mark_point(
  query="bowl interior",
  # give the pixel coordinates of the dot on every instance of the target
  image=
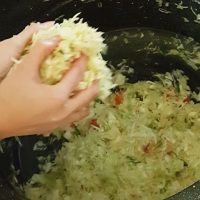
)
(139, 33)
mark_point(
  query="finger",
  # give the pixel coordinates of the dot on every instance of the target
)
(80, 100)
(75, 117)
(39, 53)
(12, 48)
(25, 36)
(72, 78)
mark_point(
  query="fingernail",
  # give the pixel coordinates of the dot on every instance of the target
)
(52, 41)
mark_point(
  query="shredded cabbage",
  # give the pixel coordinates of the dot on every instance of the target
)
(145, 146)
(77, 37)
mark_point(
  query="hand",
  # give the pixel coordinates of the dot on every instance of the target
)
(28, 106)
(12, 48)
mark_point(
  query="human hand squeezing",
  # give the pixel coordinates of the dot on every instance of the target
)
(28, 106)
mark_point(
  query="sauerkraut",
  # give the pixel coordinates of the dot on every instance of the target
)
(77, 37)
(142, 143)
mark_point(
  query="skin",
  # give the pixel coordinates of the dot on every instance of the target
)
(27, 105)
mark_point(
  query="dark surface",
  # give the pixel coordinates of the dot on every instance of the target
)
(8, 192)
(107, 15)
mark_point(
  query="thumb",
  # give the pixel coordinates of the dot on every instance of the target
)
(13, 47)
(21, 40)
(39, 52)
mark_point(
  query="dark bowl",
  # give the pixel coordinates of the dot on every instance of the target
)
(111, 16)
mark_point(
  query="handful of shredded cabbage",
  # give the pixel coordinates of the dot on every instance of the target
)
(77, 37)
(143, 143)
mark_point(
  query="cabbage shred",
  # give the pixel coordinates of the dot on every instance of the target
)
(145, 147)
